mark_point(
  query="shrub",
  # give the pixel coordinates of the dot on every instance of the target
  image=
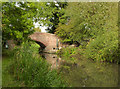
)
(67, 54)
(104, 47)
(33, 70)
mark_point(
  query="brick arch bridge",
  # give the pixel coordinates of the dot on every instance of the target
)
(49, 42)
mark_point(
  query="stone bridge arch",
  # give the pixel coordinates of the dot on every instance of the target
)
(50, 42)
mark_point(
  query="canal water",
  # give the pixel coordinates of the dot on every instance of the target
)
(52, 59)
(86, 73)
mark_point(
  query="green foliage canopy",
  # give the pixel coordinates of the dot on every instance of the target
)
(95, 26)
(49, 14)
(17, 22)
(87, 20)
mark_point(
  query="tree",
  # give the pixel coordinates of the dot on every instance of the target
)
(86, 20)
(37, 29)
(17, 22)
(95, 26)
(49, 14)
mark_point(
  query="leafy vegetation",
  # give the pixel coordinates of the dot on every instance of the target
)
(87, 20)
(31, 70)
(37, 29)
(67, 54)
(49, 14)
(94, 25)
(104, 48)
(18, 18)
(8, 80)
(17, 22)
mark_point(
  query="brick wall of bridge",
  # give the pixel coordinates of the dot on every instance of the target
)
(49, 40)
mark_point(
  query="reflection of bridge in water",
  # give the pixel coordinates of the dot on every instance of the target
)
(48, 42)
(52, 59)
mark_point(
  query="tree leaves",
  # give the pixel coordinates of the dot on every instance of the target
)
(87, 20)
(17, 20)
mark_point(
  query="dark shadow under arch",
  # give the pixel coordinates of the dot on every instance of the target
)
(42, 46)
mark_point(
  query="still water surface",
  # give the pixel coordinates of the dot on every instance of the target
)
(86, 73)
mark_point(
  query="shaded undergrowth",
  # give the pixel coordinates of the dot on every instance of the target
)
(28, 67)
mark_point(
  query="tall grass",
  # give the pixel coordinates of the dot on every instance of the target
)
(27, 66)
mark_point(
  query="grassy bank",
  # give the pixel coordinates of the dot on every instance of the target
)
(25, 68)
(7, 78)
